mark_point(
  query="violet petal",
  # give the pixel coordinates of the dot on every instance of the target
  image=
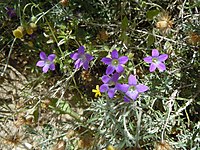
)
(74, 56)
(11, 12)
(105, 79)
(152, 67)
(148, 59)
(132, 80)
(161, 66)
(106, 60)
(78, 63)
(40, 63)
(86, 65)
(45, 68)
(123, 59)
(111, 92)
(104, 88)
(51, 57)
(163, 57)
(89, 57)
(126, 99)
(132, 94)
(114, 54)
(155, 53)
(110, 69)
(122, 87)
(119, 69)
(43, 55)
(81, 50)
(115, 77)
(141, 88)
(52, 66)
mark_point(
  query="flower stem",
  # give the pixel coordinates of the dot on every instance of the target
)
(139, 117)
(11, 48)
(170, 104)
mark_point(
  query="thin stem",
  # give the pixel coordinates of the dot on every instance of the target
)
(11, 48)
(170, 104)
(163, 131)
(43, 15)
(125, 127)
(139, 117)
(19, 11)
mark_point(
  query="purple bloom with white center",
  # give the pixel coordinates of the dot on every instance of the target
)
(156, 61)
(115, 62)
(82, 58)
(132, 89)
(11, 12)
(109, 84)
(46, 62)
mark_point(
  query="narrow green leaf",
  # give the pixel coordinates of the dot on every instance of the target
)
(151, 13)
(124, 24)
(150, 40)
(36, 114)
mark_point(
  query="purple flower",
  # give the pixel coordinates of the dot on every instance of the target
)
(82, 58)
(46, 62)
(109, 84)
(156, 61)
(115, 62)
(132, 89)
(11, 12)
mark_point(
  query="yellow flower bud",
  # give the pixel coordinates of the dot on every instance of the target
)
(33, 26)
(18, 33)
(20, 28)
(110, 147)
(29, 31)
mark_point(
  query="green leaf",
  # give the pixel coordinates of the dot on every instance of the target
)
(36, 114)
(151, 13)
(124, 24)
(150, 40)
(124, 37)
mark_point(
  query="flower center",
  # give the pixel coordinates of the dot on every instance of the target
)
(48, 62)
(115, 62)
(155, 60)
(82, 57)
(111, 83)
(132, 88)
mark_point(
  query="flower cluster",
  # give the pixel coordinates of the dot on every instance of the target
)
(22, 30)
(114, 70)
(132, 89)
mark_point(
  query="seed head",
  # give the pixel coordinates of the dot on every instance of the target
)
(164, 23)
(64, 2)
(162, 146)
